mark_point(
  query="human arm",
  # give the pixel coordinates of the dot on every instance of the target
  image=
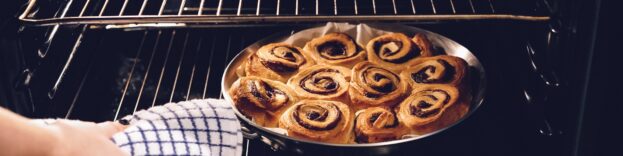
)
(21, 136)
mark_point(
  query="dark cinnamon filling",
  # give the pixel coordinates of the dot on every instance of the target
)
(390, 52)
(422, 77)
(277, 66)
(383, 88)
(286, 53)
(266, 96)
(419, 109)
(386, 52)
(375, 116)
(423, 114)
(423, 104)
(324, 84)
(333, 50)
(336, 50)
(445, 94)
(321, 116)
(365, 138)
(371, 95)
(432, 97)
(316, 116)
(256, 93)
(272, 93)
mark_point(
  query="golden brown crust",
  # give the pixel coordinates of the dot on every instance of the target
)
(322, 82)
(431, 107)
(373, 85)
(319, 120)
(277, 61)
(395, 50)
(442, 69)
(261, 99)
(335, 49)
(378, 124)
(423, 43)
(397, 88)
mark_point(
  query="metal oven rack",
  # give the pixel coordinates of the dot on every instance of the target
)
(102, 77)
(169, 65)
(276, 11)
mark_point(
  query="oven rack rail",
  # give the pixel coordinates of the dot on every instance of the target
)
(119, 12)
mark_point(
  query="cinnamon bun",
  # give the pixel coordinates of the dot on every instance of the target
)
(395, 50)
(373, 85)
(277, 61)
(335, 49)
(322, 82)
(442, 69)
(261, 100)
(378, 124)
(431, 107)
(319, 120)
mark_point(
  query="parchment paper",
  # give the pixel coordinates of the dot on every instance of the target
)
(362, 33)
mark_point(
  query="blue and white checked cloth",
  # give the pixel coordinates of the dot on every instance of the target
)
(196, 127)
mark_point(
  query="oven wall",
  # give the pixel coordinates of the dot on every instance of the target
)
(590, 110)
(10, 58)
(600, 130)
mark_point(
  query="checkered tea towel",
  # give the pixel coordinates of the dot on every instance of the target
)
(196, 127)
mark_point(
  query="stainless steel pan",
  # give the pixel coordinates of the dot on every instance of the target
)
(282, 142)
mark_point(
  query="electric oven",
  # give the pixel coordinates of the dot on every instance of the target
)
(100, 60)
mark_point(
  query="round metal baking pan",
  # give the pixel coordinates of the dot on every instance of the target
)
(282, 142)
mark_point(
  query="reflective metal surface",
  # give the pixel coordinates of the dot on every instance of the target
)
(251, 12)
(441, 43)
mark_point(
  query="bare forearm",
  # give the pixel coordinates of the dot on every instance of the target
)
(19, 136)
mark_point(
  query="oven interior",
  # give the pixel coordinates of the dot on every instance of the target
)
(100, 60)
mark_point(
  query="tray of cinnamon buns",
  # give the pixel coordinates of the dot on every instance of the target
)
(354, 83)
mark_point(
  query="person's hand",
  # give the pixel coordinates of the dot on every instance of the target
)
(84, 138)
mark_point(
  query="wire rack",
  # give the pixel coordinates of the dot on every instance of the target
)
(111, 74)
(49, 12)
(174, 65)
(149, 68)
(101, 75)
